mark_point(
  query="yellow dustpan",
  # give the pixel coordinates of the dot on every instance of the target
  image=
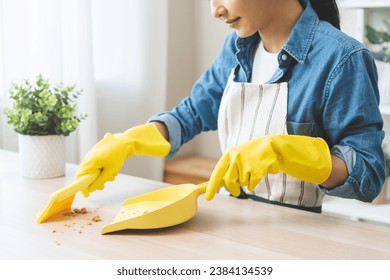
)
(158, 209)
(63, 198)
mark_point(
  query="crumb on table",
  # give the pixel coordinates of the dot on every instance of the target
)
(96, 218)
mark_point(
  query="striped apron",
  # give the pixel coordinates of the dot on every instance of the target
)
(248, 111)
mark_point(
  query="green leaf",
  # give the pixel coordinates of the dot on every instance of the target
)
(373, 36)
(41, 109)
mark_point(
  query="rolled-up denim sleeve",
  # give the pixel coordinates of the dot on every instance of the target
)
(354, 125)
(347, 190)
(174, 131)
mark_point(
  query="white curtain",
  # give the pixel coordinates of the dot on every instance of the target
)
(52, 38)
(130, 41)
(116, 50)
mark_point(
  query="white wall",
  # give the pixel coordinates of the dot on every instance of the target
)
(130, 67)
(181, 58)
(211, 33)
(208, 35)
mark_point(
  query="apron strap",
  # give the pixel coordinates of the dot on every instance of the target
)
(244, 195)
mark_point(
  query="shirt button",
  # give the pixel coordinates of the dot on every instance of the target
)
(284, 57)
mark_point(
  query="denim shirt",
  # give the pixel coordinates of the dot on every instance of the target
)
(332, 94)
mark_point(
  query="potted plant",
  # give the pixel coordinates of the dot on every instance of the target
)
(380, 38)
(379, 41)
(43, 115)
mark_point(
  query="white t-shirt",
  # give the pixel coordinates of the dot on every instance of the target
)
(264, 65)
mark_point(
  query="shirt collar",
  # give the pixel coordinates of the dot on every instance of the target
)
(300, 39)
(302, 35)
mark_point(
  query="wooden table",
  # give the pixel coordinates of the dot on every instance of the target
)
(225, 228)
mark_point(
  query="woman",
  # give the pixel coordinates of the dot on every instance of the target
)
(295, 102)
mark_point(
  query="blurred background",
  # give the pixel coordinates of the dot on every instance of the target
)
(133, 58)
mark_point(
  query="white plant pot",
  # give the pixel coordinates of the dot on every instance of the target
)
(42, 157)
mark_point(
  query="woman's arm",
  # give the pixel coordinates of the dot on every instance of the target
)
(338, 175)
(163, 129)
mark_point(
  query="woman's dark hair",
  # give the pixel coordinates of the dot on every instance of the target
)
(327, 10)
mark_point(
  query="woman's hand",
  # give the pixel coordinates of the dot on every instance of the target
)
(305, 158)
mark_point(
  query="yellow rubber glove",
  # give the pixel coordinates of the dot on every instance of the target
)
(108, 155)
(305, 158)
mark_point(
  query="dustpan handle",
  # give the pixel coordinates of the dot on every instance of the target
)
(201, 188)
(79, 185)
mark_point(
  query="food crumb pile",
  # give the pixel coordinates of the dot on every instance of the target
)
(81, 217)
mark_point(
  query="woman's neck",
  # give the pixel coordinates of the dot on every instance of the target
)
(276, 34)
